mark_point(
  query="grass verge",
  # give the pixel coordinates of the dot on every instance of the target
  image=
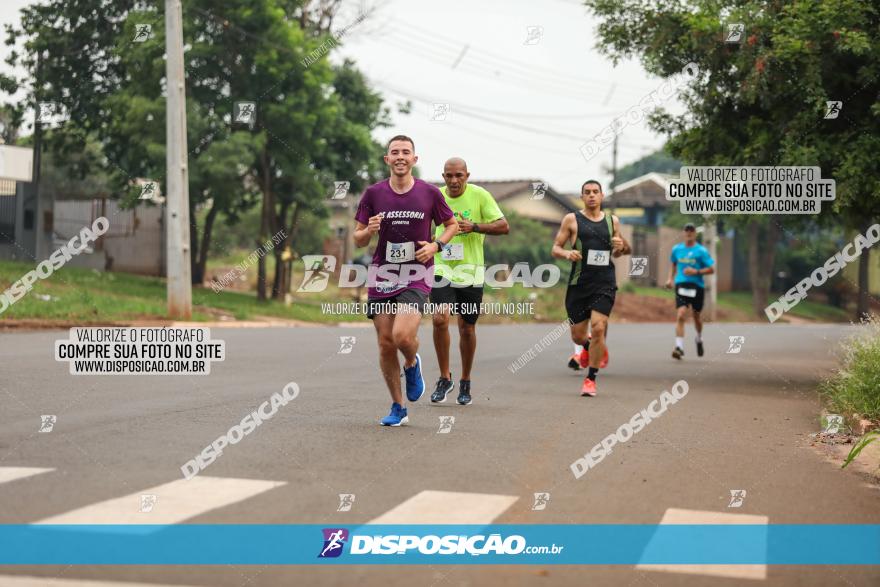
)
(855, 389)
(84, 295)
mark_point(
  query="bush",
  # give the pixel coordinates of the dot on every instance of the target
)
(529, 241)
(856, 388)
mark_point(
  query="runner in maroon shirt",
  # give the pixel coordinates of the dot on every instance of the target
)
(401, 210)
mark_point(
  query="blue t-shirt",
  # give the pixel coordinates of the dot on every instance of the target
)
(684, 256)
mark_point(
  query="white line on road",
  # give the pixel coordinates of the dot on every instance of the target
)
(175, 502)
(8, 474)
(680, 516)
(447, 507)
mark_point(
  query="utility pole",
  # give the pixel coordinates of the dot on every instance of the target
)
(31, 192)
(710, 241)
(38, 127)
(177, 202)
(617, 126)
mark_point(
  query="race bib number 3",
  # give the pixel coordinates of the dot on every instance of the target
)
(687, 292)
(453, 252)
(400, 252)
(598, 257)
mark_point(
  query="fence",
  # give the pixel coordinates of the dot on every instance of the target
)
(8, 203)
(134, 243)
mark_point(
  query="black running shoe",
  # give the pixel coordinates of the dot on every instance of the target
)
(699, 348)
(464, 392)
(444, 388)
(677, 353)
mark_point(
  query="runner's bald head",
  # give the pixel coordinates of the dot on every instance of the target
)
(455, 162)
(455, 174)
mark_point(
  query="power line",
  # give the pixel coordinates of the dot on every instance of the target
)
(515, 79)
(520, 74)
(542, 116)
(418, 33)
(467, 111)
(506, 140)
(464, 111)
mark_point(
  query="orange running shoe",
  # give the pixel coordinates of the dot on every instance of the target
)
(588, 388)
(584, 359)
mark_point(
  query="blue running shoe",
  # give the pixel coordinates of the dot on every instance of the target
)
(396, 417)
(415, 385)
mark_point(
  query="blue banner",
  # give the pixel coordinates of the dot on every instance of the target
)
(199, 544)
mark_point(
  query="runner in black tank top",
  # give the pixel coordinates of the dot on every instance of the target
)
(592, 285)
(596, 267)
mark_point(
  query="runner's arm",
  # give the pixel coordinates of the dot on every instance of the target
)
(451, 230)
(499, 226)
(623, 245)
(672, 266)
(563, 238)
(709, 263)
(364, 232)
(707, 270)
(428, 249)
(488, 209)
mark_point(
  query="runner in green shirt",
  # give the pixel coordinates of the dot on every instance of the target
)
(458, 268)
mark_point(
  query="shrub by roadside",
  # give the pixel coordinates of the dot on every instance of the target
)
(855, 389)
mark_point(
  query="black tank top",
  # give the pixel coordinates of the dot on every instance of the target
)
(596, 237)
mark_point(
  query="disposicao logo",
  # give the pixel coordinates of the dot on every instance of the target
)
(334, 541)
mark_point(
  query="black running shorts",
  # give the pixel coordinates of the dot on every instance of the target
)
(464, 301)
(415, 298)
(580, 300)
(689, 294)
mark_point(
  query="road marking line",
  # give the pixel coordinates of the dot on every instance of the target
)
(447, 507)
(175, 502)
(8, 474)
(21, 581)
(681, 516)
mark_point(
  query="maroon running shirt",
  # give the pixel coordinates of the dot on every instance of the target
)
(408, 219)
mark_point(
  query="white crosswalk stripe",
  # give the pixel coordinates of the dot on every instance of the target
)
(174, 502)
(447, 507)
(8, 474)
(682, 516)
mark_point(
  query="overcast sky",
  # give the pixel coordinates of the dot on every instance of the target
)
(520, 102)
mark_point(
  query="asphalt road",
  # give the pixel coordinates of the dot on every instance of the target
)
(744, 424)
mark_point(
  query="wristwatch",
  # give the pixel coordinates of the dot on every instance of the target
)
(440, 244)
(476, 227)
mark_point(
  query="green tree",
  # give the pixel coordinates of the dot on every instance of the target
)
(659, 161)
(10, 122)
(343, 150)
(762, 101)
(530, 242)
(312, 122)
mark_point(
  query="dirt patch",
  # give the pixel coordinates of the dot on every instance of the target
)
(834, 448)
(41, 324)
(631, 307)
(216, 313)
(221, 320)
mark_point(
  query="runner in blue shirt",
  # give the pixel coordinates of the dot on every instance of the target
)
(690, 262)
